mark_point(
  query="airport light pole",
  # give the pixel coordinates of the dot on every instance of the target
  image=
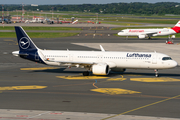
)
(27, 15)
(52, 12)
(3, 15)
(17, 14)
(22, 13)
(7, 12)
(96, 18)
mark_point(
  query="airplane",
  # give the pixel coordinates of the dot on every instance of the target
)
(5, 20)
(144, 33)
(98, 62)
(75, 22)
(48, 21)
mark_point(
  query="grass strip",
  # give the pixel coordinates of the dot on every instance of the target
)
(154, 21)
(118, 23)
(121, 28)
(39, 28)
(37, 35)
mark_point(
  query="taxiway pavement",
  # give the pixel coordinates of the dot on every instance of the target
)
(34, 87)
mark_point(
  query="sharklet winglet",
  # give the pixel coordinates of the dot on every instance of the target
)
(102, 49)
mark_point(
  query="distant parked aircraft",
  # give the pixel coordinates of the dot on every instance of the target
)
(148, 33)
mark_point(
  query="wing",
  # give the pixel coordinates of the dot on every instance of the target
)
(85, 64)
(149, 33)
(73, 63)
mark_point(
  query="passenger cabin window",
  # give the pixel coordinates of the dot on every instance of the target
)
(166, 58)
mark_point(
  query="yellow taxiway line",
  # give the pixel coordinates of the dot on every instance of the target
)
(22, 87)
(95, 86)
(41, 68)
(117, 79)
(81, 77)
(114, 91)
(142, 107)
(160, 79)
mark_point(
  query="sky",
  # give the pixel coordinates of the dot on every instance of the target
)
(42, 2)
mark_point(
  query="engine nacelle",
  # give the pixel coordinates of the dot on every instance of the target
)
(141, 36)
(173, 36)
(118, 69)
(100, 69)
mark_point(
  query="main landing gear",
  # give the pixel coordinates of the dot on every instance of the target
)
(86, 73)
(126, 37)
(149, 38)
(156, 72)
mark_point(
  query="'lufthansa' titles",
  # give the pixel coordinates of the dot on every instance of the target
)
(138, 55)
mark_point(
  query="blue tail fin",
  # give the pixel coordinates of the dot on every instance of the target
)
(24, 41)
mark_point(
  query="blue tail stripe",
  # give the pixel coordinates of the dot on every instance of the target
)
(27, 49)
(24, 41)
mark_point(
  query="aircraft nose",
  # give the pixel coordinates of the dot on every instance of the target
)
(174, 64)
(119, 33)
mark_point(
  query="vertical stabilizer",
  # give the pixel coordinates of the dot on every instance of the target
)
(178, 24)
(24, 41)
(176, 28)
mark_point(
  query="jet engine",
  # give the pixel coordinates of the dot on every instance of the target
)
(100, 69)
(141, 36)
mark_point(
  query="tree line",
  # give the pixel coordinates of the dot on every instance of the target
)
(160, 8)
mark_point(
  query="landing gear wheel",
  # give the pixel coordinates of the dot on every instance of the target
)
(86, 73)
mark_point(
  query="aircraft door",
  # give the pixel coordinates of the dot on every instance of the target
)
(154, 59)
(70, 57)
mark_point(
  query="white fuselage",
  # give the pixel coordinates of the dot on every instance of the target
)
(99, 62)
(147, 32)
(131, 60)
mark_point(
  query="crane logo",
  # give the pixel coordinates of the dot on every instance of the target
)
(24, 43)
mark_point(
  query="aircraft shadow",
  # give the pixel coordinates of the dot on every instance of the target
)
(152, 74)
(112, 74)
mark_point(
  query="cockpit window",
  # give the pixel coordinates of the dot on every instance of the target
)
(166, 58)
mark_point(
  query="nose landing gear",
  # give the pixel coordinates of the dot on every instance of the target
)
(156, 72)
